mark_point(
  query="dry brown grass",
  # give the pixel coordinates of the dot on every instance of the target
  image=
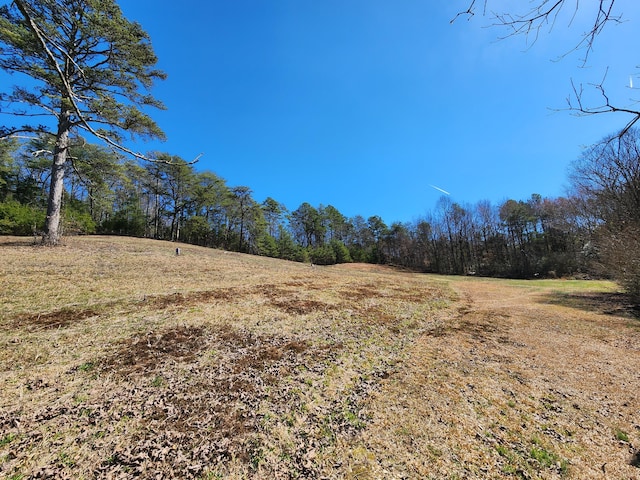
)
(119, 359)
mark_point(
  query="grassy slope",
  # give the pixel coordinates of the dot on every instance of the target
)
(119, 358)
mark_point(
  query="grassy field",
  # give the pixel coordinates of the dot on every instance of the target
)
(120, 359)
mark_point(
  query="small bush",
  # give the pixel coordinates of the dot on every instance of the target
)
(19, 219)
(323, 255)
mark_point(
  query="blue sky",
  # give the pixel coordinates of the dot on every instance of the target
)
(363, 104)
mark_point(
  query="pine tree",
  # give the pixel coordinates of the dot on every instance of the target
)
(89, 71)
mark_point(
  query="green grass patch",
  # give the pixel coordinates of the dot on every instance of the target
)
(621, 435)
(7, 439)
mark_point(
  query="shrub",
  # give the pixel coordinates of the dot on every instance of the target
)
(323, 255)
(19, 219)
(341, 252)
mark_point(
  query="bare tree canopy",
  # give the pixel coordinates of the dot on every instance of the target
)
(545, 13)
(606, 180)
(534, 18)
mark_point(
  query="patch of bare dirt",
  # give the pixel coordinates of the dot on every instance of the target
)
(278, 296)
(361, 292)
(68, 316)
(147, 352)
(52, 320)
(181, 299)
(301, 306)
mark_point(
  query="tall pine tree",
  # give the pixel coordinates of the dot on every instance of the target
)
(89, 71)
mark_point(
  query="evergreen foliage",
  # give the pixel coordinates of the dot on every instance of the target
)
(20, 219)
(89, 70)
(590, 233)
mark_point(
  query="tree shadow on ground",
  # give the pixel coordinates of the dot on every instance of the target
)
(618, 304)
(22, 242)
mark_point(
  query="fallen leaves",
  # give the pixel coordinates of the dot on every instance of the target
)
(230, 366)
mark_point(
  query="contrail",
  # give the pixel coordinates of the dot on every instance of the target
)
(439, 189)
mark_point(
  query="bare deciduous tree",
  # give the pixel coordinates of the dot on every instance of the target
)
(606, 180)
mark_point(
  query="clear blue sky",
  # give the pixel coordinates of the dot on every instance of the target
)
(363, 104)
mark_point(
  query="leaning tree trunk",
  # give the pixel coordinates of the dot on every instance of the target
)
(52, 230)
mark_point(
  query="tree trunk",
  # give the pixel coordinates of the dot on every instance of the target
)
(52, 230)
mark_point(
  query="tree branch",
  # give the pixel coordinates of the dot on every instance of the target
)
(469, 11)
(11, 132)
(70, 94)
(545, 12)
(606, 107)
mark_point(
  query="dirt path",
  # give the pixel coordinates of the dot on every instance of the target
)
(511, 383)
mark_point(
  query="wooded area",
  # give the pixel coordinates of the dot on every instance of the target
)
(91, 70)
(592, 232)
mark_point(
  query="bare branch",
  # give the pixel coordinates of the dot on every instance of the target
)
(605, 107)
(543, 13)
(37, 153)
(469, 12)
(629, 125)
(546, 12)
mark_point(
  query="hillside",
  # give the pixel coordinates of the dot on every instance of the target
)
(120, 359)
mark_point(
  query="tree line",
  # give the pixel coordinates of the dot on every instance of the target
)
(90, 71)
(592, 231)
